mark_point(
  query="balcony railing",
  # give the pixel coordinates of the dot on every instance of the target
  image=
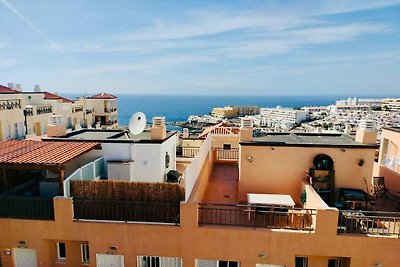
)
(127, 211)
(44, 109)
(109, 110)
(26, 207)
(78, 109)
(10, 104)
(188, 152)
(257, 216)
(369, 222)
(227, 154)
(28, 112)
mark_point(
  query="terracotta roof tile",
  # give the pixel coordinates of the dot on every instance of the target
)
(6, 90)
(50, 96)
(42, 153)
(103, 96)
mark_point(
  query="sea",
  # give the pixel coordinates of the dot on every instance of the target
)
(178, 107)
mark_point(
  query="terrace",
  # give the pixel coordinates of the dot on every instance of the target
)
(32, 174)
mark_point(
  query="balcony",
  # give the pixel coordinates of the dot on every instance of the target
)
(109, 110)
(10, 104)
(126, 210)
(28, 112)
(44, 109)
(78, 109)
(369, 223)
(256, 216)
(231, 154)
(26, 207)
(187, 152)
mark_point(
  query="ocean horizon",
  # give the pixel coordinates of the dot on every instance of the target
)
(179, 107)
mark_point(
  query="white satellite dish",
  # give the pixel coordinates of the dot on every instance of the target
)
(137, 123)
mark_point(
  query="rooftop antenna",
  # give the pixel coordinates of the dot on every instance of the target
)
(137, 123)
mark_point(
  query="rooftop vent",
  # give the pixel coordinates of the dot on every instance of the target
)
(56, 120)
(18, 87)
(10, 85)
(367, 124)
(37, 88)
(158, 121)
(246, 123)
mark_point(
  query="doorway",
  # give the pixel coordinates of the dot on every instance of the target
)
(25, 257)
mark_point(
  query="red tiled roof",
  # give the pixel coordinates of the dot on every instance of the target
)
(103, 96)
(42, 153)
(6, 90)
(50, 96)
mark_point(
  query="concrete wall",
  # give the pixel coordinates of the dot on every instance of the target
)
(279, 170)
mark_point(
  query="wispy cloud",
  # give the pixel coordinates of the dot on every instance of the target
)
(31, 24)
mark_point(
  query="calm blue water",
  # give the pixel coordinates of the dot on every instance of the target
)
(178, 108)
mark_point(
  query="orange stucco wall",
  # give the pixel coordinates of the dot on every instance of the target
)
(191, 242)
(279, 170)
(392, 177)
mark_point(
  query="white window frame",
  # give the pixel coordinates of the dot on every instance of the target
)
(163, 261)
(59, 258)
(216, 262)
(85, 253)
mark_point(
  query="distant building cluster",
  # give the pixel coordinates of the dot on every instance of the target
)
(26, 114)
(279, 117)
(235, 111)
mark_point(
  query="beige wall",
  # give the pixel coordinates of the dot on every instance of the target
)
(218, 141)
(9, 117)
(279, 169)
(189, 241)
(392, 177)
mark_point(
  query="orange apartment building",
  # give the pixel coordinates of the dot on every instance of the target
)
(278, 200)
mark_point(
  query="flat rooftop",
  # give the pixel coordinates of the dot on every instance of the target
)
(307, 139)
(110, 136)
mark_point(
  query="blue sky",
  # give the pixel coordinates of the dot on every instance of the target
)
(202, 47)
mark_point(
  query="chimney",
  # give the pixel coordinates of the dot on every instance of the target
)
(56, 126)
(366, 132)
(37, 88)
(246, 130)
(10, 85)
(185, 133)
(158, 130)
(347, 129)
(18, 87)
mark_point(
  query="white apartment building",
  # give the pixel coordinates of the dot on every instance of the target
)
(392, 104)
(26, 114)
(104, 108)
(281, 117)
(370, 102)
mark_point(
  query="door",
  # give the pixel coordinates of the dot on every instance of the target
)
(25, 257)
(109, 260)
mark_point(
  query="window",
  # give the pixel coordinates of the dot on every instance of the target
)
(334, 263)
(301, 262)
(227, 146)
(154, 261)
(61, 253)
(213, 263)
(85, 253)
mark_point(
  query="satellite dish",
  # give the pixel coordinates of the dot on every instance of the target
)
(137, 123)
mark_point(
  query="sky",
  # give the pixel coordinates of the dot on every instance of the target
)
(203, 47)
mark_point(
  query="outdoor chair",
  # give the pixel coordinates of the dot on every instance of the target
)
(379, 187)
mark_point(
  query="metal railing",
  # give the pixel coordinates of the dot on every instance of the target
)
(188, 152)
(44, 109)
(257, 216)
(369, 222)
(28, 111)
(26, 207)
(127, 210)
(10, 104)
(227, 154)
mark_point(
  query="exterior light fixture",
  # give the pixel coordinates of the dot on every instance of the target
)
(342, 149)
(262, 255)
(250, 158)
(378, 264)
(22, 244)
(361, 162)
(113, 248)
